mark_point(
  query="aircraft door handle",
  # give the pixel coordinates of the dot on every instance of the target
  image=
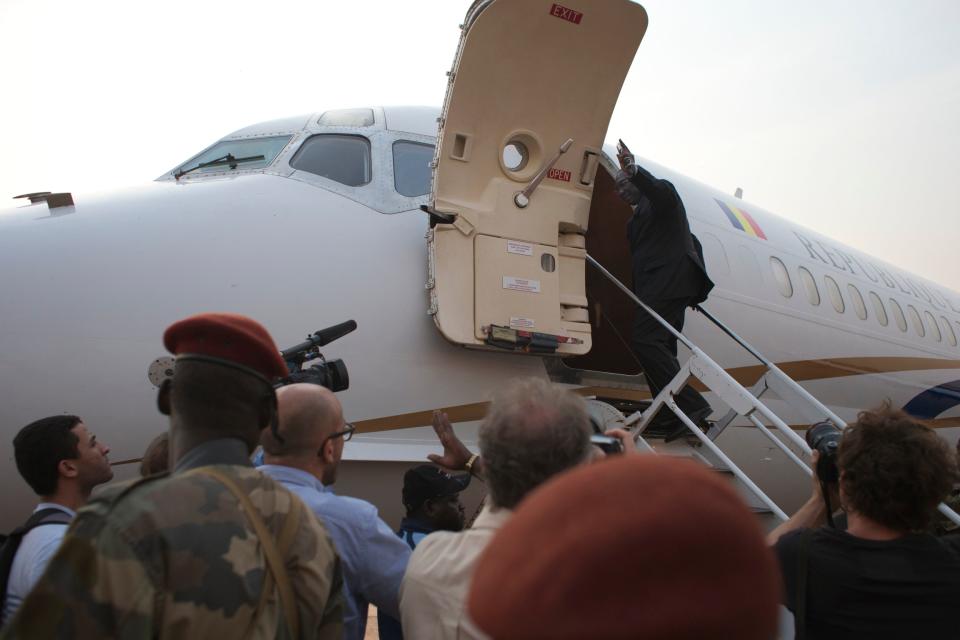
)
(522, 198)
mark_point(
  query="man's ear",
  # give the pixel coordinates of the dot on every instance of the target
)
(329, 452)
(163, 397)
(68, 468)
(429, 507)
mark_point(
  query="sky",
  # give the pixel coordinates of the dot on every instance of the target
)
(841, 116)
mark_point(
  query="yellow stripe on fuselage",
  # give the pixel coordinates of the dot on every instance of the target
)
(744, 221)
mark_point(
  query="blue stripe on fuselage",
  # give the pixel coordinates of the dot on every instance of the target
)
(932, 402)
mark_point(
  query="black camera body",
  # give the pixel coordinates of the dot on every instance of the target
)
(331, 374)
(608, 444)
(825, 438)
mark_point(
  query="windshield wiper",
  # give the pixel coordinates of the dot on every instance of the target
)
(228, 159)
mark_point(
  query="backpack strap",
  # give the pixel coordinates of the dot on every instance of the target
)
(270, 548)
(803, 562)
(290, 527)
(11, 545)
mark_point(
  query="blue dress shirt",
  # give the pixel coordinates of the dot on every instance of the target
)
(372, 557)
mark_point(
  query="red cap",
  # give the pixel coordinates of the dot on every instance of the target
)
(227, 336)
(640, 546)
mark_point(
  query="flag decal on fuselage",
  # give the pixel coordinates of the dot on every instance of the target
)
(741, 220)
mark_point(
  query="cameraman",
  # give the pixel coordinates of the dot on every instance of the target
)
(882, 577)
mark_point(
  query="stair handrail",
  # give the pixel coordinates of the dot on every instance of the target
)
(779, 424)
(949, 513)
(773, 368)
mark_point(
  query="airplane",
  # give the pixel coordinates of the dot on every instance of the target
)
(427, 226)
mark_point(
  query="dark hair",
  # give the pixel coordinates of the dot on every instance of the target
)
(532, 432)
(895, 470)
(40, 446)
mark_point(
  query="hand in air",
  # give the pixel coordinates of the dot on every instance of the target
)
(455, 453)
(624, 157)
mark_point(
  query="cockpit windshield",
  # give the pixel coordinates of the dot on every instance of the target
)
(252, 153)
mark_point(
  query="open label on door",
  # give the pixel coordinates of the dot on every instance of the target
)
(524, 83)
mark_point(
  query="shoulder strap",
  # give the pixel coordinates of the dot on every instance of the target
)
(290, 527)
(11, 545)
(50, 515)
(800, 607)
(270, 550)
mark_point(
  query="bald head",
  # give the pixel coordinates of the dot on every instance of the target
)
(309, 414)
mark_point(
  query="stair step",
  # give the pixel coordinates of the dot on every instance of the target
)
(701, 455)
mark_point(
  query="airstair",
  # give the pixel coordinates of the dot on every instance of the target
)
(741, 402)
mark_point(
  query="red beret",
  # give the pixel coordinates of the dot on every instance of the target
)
(227, 336)
(638, 546)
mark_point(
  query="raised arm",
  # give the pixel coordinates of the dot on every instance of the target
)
(455, 456)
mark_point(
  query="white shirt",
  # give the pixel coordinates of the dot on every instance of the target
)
(435, 588)
(36, 549)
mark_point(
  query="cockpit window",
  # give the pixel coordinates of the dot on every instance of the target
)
(345, 159)
(346, 118)
(411, 167)
(235, 155)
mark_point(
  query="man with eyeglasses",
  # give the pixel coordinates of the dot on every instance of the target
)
(373, 558)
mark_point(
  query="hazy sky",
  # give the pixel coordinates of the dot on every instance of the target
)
(843, 116)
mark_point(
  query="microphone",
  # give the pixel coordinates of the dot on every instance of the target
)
(319, 339)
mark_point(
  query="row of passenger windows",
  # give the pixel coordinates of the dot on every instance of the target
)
(342, 158)
(920, 325)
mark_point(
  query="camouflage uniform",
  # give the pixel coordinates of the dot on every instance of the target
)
(176, 557)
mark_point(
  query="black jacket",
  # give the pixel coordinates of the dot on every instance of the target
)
(667, 258)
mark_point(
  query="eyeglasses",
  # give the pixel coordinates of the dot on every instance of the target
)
(346, 434)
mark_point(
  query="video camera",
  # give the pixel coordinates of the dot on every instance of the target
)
(331, 374)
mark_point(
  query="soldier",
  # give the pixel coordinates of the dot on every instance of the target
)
(212, 550)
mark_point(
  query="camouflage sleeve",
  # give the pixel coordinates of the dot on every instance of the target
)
(94, 587)
(331, 620)
(314, 570)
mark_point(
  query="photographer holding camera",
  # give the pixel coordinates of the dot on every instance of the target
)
(884, 576)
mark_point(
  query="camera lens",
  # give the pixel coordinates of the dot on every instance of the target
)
(820, 435)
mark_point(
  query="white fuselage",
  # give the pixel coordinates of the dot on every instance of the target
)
(88, 290)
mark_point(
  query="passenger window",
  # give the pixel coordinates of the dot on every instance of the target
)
(915, 319)
(411, 167)
(858, 306)
(344, 159)
(879, 309)
(833, 290)
(898, 314)
(346, 118)
(782, 276)
(235, 155)
(813, 295)
(948, 330)
(934, 327)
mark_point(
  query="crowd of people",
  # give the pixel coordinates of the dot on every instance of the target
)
(570, 543)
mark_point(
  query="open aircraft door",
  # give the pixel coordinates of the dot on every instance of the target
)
(526, 111)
